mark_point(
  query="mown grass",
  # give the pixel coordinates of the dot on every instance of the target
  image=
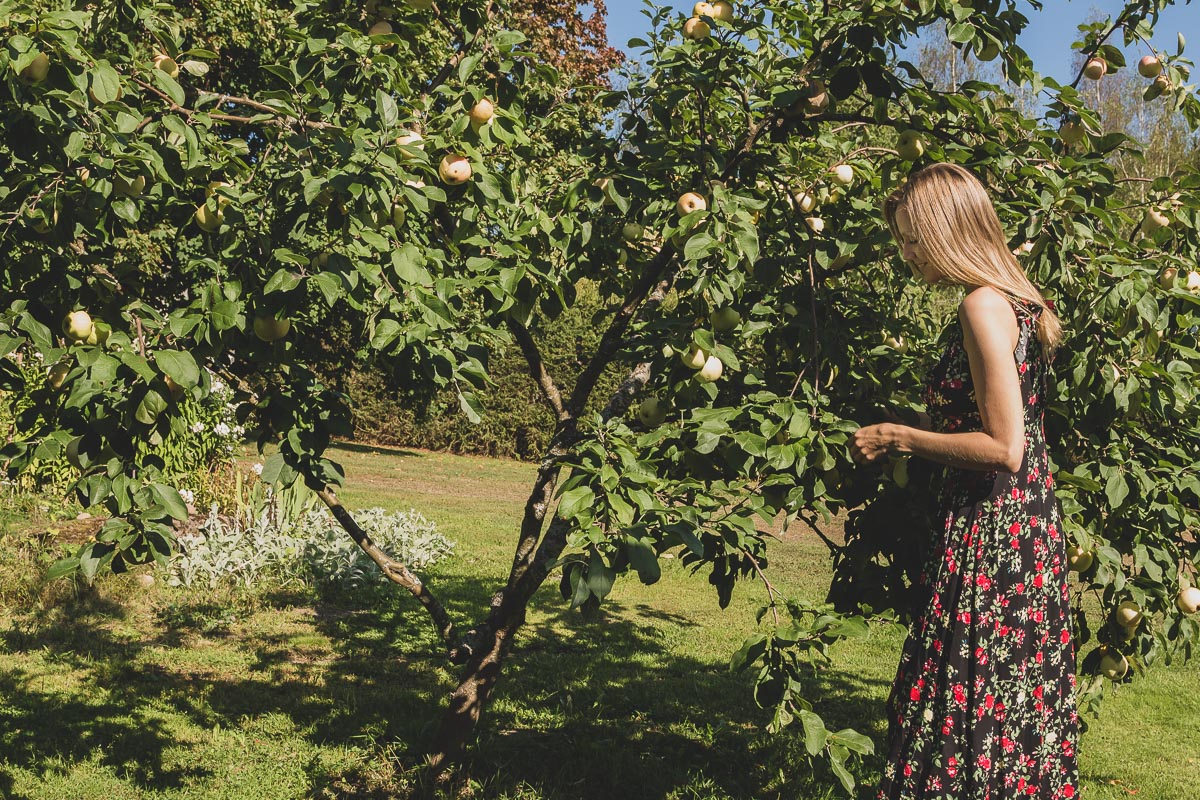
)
(126, 692)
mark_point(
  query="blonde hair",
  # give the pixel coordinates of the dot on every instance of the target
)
(960, 232)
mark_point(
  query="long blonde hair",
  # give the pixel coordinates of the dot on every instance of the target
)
(960, 232)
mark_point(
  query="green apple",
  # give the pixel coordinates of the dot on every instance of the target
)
(37, 70)
(1071, 132)
(1113, 665)
(696, 29)
(989, 51)
(1154, 220)
(78, 325)
(1193, 281)
(632, 232)
(57, 374)
(725, 319)
(1078, 559)
(816, 224)
(208, 220)
(271, 329)
(129, 188)
(99, 334)
(804, 201)
(380, 28)
(897, 343)
(164, 63)
(1128, 614)
(1166, 278)
(910, 146)
(652, 412)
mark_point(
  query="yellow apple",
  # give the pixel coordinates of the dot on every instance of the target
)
(1188, 600)
(652, 412)
(164, 63)
(1193, 281)
(99, 334)
(454, 169)
(804, 201)
(133, 188)
(174, 388)
(1127, 614)
(482, 112)
(410, 139)
(1149, 67)
(380, 28)
(1166, 278)
(711, 370)
(696, 29)
(897, 343)
(815, 223)
(1113, 665)
(910, 146)
(208, 220)
(214, 187)
(702, 9)
(1095, 68)
(725, 319)
(57, 374)
(37, 70)
(271, 329)
(843, 174)
(722, 10)
(1153, 220)
(693, 358)
(78, 325)
(689, 202)
(1078, 559)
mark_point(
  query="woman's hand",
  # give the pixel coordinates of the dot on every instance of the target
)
(872, 442)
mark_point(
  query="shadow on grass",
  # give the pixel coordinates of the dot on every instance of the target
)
(585, 709)
(373, 449)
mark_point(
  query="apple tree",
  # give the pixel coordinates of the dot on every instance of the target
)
(424, 175)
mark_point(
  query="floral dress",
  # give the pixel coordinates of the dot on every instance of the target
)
(983, 706)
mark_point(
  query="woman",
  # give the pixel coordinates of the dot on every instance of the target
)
(983, 704)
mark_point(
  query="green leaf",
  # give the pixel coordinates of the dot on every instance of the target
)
(575, 500)
(815, 734)
(168, 497)
(179, 365)
(600, 577)
(284, 280)
(151, 406)
(471, 406)
(1117, 489)
(750, 651)
(644, 560)
(62, 568)
(386, 106)
(853, 740)
(106, 84)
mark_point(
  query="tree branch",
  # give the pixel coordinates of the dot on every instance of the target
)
(393, 570)
(537, 367)
(281, 120)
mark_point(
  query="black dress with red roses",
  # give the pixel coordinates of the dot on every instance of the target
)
(983, 706)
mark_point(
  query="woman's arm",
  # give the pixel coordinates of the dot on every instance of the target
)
(990, 335)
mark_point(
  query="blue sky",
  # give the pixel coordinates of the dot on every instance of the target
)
(1047, 39)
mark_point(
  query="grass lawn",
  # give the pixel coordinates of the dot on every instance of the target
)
(127, 692)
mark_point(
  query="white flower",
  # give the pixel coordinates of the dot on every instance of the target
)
(218, 385)
(197, 427)
(188, 496)
(221, 429)
(239, 431)
(257, 469)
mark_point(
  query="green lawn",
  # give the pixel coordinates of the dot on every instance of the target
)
(125, 692)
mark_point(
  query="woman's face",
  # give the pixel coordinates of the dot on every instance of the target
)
(911, 250)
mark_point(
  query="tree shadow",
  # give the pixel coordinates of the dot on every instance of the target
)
(585, 709)
(377, 449)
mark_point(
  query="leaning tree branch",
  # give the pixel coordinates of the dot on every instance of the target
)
(280, 120)
(537, 367)
(393, 570)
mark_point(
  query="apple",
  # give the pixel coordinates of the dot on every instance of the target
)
(1153, 220)
(1095, 68)
(989, 51)
(78, 325)
(815, 223)
(164, 63)
(1149, 67)
(711, 370)
(271, 329)
(133, 188)
(910, 146)
(85, 175)
(1166, 278)
(696, 29)
(689, 202)
(57, 374)
(1128, 614)
(897, 343)
(412, 140)
(37, 70)
(454, 169)
(702, 9)
(790, 309)
(632, 232)
(174, 388)
(843, 174)
(99, 334)
(1188, 600)
(1078, 559)
(725, 319)
(722, 10)
(694, 358)
(1161, 84)
(1193, 281)
(399, 213)
(804, 201)
(1113, 665)
(208, 220)
(380, 28)
(652, 412)
(1071, 132)
(482, 112)
(214, 187)
(668, 351)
